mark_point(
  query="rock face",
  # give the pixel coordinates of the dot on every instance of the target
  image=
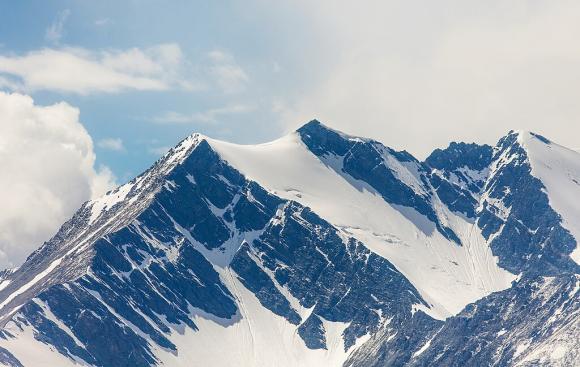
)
(213, 257)
(533, 323)
(511, 327)
(528, 236)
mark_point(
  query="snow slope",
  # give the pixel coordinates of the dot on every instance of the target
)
(256, 337)
(447, 275)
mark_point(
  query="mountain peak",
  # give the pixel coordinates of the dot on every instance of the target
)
(458, 155)
(523, 136)
(317, 127)
(312, 123)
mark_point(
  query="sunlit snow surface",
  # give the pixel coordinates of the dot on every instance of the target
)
(447, 275)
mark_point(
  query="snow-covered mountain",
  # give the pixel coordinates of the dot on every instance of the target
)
(316, 249)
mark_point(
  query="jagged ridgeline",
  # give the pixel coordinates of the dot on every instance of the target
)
(317, 249)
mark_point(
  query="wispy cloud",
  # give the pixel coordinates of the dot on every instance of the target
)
(114, 144)
(209, 116)
(56, 30)
(159, 150)
(8, 83)
(228, 75)
(101, 22)
(82, 71)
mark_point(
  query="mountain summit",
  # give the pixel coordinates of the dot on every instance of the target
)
(318, 248)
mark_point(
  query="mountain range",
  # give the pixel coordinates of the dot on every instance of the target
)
(316, 249)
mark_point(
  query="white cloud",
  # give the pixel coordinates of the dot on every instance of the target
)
(77, 70)
(212, 115)
(228, 75)
(48, 171)
(114, 144)
(56, 30)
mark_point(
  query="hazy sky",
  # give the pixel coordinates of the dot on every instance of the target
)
(104, 87)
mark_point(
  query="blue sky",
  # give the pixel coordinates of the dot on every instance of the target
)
(93, 92)
(262, 48)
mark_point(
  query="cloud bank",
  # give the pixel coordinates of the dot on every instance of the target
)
(48, 171)
(416, 74)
